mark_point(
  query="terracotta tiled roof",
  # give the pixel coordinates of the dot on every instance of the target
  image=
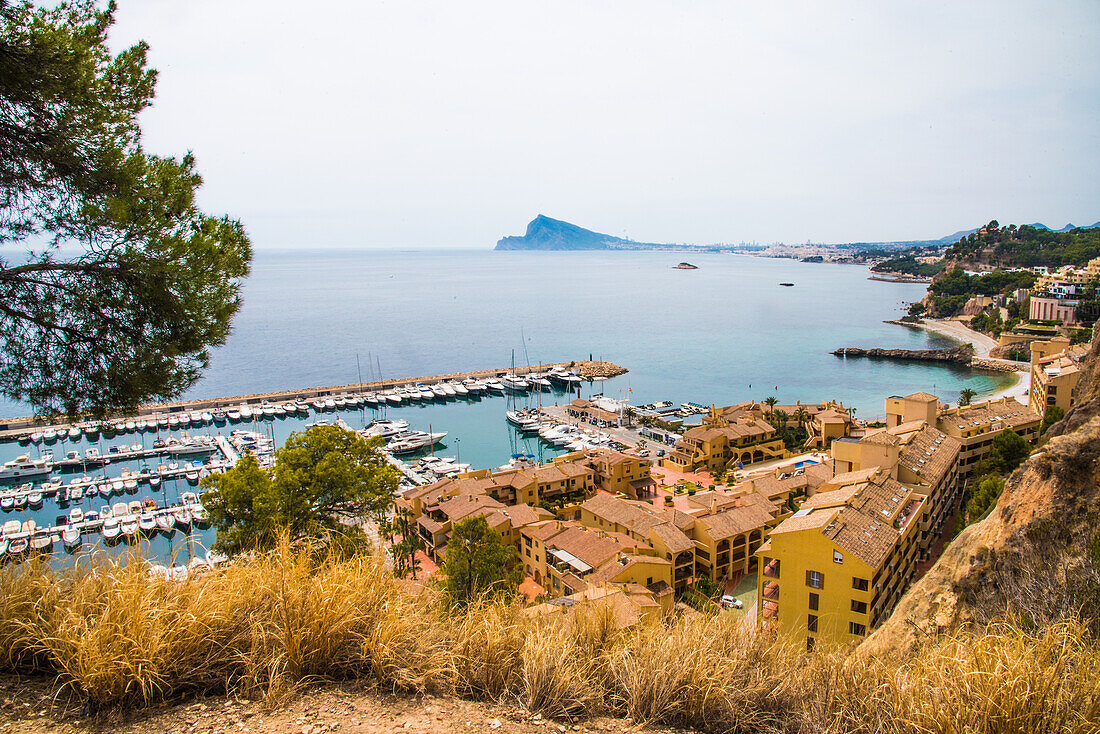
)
(926, 397)
(1007, 411)
(930, 453)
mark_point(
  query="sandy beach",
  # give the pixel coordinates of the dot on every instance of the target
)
(982, 344)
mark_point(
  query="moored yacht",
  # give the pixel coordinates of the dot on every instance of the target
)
(24, 466)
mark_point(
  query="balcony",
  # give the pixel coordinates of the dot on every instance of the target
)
(770, 610)
(771, 591)
(771, 570)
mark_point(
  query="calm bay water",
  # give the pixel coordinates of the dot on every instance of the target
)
(720, 334)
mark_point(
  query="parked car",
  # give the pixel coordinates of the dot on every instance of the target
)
(643, 452)
(660, 452)
(731, 602)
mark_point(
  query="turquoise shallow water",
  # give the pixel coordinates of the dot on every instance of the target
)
(720, 334)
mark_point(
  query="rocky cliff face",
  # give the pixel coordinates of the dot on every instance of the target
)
(1033, 555)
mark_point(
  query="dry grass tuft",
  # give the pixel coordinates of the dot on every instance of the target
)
(115, 636)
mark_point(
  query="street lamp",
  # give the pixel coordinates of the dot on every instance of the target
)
(458, 450)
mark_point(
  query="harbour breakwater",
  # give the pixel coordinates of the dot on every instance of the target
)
(585, 369)
(958, 355)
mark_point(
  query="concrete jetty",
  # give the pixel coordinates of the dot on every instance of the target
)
(16, 428)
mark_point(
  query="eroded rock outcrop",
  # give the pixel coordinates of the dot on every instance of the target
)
(958, 355)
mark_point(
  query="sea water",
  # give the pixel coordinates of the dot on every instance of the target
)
(721, 334)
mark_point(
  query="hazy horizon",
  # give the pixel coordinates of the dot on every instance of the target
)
(428, 125)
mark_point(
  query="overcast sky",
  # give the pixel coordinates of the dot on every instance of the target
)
(449, 124)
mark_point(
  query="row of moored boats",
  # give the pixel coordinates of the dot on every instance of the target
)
(404, 394)
(115, 522)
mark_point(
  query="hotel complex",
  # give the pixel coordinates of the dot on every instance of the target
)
(834, 539)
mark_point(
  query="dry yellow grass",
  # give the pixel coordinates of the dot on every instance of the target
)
(115, 636)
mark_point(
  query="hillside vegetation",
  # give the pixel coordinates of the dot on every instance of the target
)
(1026, 246)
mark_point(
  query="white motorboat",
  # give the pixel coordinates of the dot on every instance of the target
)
(24, 467)
(128, 524)
(146, 523)
(392, 398)
(34, 499)
(474, 387)
(111, 528)
(494, 385)
(412, 441)
(385, 428)
(448, 390)
(154, 480)
(206, 416)
(330, 403)
(233, 414)
(280, 411)
(181, 516)
(199, 515)
(42, 541)
(49, 435)
(76, 515)
(173, 422)
(7, 501)
(71, 536)
(165, 522)
(425, 391)
(245, 413)
(130, 426)
(459, 388)
(36, 437)
(514, 383)
(538, 381)
(18, 545)
(523, 420)
(268, 411)
(74, 433)
(10, 527)
(438, 391)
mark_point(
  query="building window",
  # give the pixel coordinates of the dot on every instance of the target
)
(859, 607)
(838, 557)
(814, 601)
(811, 622)
(856, 628)
(527, 541)
(859, 584)
(815, 579)
(809, 644)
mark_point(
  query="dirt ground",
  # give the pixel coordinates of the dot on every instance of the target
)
(33, 706)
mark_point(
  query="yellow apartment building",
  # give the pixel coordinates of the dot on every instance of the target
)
(1055, 371)
(919, 456)
(836, 568)
(620, 473)
(720, 444)
(975, 426)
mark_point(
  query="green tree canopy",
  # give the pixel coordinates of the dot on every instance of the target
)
(1051, 415)
(323, 477)
(113, 284)
(479, 563)
(1007, 451)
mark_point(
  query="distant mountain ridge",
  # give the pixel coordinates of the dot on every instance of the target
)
(544, 233)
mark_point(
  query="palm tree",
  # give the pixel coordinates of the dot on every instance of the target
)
(780, 418)
(770, 401)
(965, 396)
(801, 415)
